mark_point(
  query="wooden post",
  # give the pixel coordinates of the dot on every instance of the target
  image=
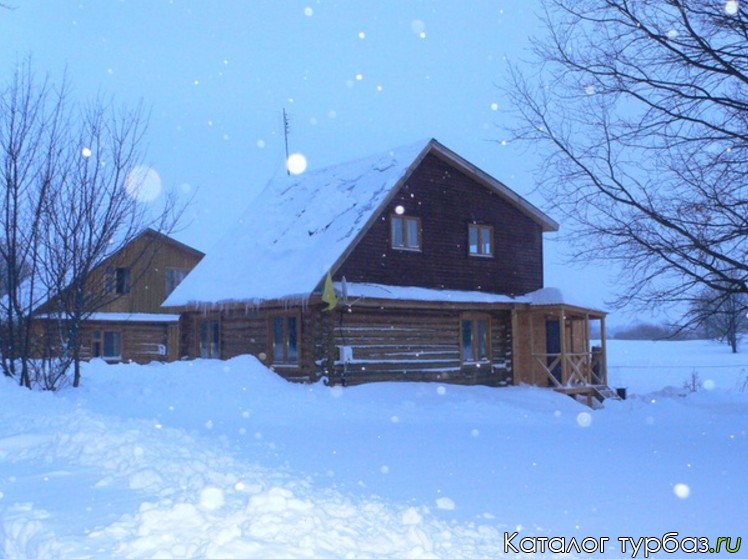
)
(587, 332)
(531, 360)
(562, 334)
(173, 342)
(324, 346)
(587, 349)
(604, 351)
(515, 347)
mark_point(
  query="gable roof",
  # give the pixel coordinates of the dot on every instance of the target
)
(300, 227)
(165, 239)
(44, 298)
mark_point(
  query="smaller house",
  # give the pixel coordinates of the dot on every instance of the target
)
(129, 324)
(412, 264)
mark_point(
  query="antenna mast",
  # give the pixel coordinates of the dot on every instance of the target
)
(286, 131)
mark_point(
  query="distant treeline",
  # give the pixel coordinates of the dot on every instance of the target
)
(649, 331)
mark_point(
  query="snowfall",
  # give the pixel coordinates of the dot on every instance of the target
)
(224, 459)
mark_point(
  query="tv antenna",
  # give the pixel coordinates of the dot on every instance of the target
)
(286, 131)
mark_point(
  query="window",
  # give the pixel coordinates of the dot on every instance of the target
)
(284, 339)
(480, 240)
(475, 339)
(117, 280)
(123, 281)
(406, 232)
(210, 346)
(107, 344)
(174, 277)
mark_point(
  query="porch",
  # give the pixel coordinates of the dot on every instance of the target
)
(554, 349)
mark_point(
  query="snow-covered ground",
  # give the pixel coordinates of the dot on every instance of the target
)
(226, 460)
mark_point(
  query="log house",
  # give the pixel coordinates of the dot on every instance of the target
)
(130, 324)
(410, 265)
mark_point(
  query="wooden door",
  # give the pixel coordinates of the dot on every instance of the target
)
(553, 347)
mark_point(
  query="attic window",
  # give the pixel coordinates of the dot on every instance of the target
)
(174, 277)
(405, 232)
(118, 280)
(122, 284)
(480, 240)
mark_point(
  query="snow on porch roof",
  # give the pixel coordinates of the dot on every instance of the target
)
(547, 296)
(553, 296)
(401, 293)
(299, 227)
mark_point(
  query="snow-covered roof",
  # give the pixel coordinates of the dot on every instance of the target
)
(553, 296)
(133, 317)
(396, 292)
(300, 227)
(127, 317)
(546, 296)
(28, 298)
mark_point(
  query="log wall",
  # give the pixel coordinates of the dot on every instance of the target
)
(417, 345)
(141, 342)
(386, 344)
(247, 330)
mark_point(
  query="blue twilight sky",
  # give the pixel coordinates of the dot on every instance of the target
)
(355, 76)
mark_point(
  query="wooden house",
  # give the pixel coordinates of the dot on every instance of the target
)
(129, 323)
(409, 265)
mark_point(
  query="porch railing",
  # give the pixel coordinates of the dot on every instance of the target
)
(568, 369)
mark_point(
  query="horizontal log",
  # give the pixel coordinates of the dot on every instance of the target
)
(449, 376)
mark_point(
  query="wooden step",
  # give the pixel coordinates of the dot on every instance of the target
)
(591, 393)
(604, 392)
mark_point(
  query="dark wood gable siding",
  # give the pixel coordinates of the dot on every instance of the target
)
(446, 201)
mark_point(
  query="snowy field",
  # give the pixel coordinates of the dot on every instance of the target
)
(225, 460)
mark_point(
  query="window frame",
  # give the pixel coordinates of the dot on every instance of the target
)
(122, 280)
(474, 319)
(481, 230)
(208, 346)
(99, 344)
(405, 219)
(173, 272)
(286, 361)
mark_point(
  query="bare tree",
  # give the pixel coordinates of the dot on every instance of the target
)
(723, 316)
(641, 109)
(32, 123)
(71, 203)
(95, 212)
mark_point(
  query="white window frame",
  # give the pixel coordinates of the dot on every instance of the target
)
(407, 242)
(483, 233)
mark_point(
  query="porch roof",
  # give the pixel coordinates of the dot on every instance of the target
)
(548, 297)
(421, 294)
(553, 298)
